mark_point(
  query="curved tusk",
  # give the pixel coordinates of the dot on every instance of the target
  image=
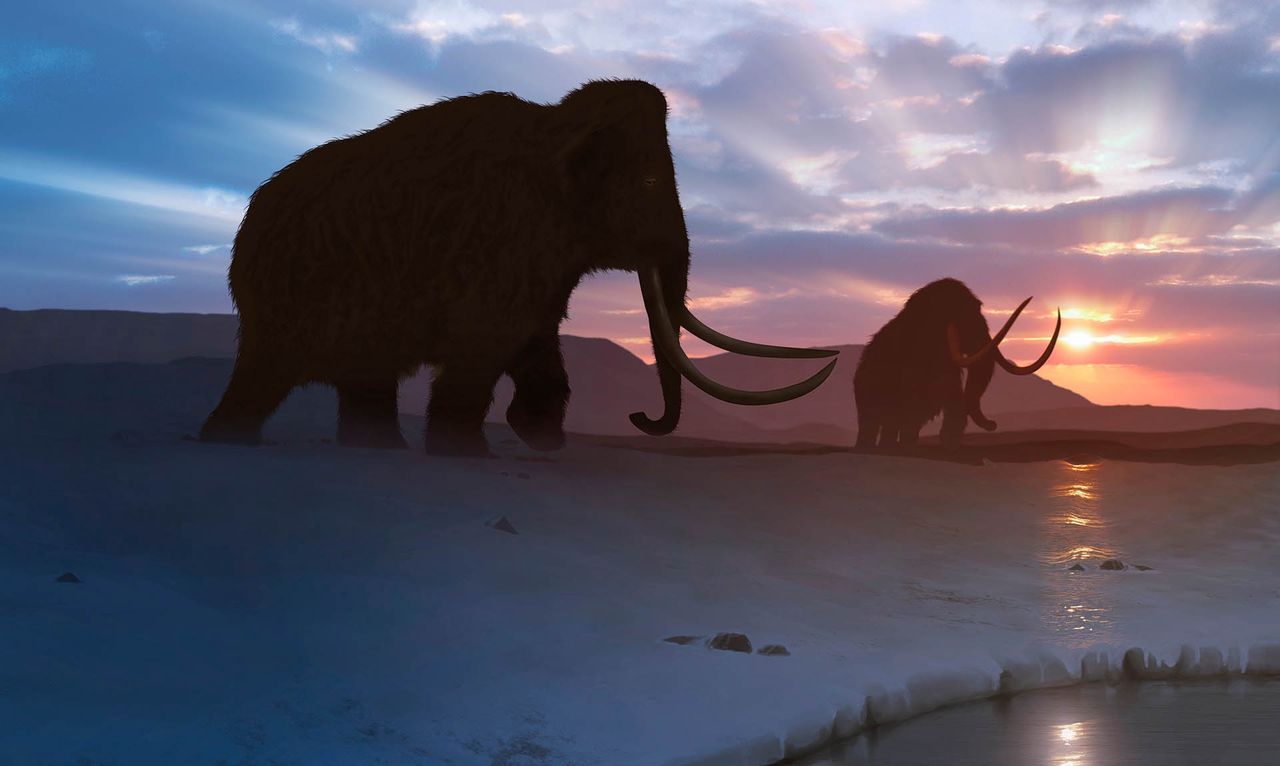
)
(1037, 364)
(667, 343)
(953, 340)
(720, 340)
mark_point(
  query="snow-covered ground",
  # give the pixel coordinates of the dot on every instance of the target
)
(305, 604)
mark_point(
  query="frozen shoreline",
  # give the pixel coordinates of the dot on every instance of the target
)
(307, 604)
(924, 694)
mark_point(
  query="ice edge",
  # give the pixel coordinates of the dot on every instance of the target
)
(925, 693)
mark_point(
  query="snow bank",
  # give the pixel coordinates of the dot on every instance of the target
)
(304, 604)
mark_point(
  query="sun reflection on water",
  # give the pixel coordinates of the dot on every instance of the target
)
(1080, 490)
(1069, 732)
(1067, 743)
(1079, 466)
(1076, 540)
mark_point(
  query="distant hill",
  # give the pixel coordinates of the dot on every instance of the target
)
(608, 383)
(57, 336)
(1132, 417)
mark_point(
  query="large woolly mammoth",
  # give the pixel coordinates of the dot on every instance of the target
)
(453, 235)
(912, 368)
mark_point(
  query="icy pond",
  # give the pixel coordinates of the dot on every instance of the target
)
(1154, 723)
(304, 604)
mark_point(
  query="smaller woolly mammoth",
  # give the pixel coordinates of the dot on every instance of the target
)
(937, 355)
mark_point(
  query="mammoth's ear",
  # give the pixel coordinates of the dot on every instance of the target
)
(587, 153)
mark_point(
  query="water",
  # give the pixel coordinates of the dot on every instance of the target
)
(1156, 723)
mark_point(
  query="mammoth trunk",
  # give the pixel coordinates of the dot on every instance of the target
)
(664, 294)
(977, 377)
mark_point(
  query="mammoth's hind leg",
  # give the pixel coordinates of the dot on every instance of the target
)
(368, 416)
(541, 392)
(460, 397)
(889, 436)
(868, 430)
(256, 389)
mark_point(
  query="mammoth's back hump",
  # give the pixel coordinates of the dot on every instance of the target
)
(392, 216)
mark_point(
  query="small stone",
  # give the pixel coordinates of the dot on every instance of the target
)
(730, 642)
(1075, 568)
(68, 577)
(503, 525)
(1141, 568)
(522, 475)
(774, 650)
(1113, 565)
(682, 640)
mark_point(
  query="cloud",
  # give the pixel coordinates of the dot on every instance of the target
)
(205, 249)
(965, 169)
(1208, 99)
(1177, 212)
(1098, 5)
(326, 42)
(205, 202)
(139, 280)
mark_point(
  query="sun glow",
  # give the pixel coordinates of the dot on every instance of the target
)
(1078, 339)
(1159, 243)
(1088, 315)
(1083, 339)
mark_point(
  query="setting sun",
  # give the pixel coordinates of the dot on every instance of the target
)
(1078, 339)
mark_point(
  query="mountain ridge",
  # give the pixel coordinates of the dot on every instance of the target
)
(609, 382)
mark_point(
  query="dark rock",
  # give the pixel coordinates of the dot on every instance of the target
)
(774, 650)
(503, 525)
(1113, 565)
(68, 577)
(730, 642)
(522, 475)
(1141, 568)
(682, 640)
(1075, 568)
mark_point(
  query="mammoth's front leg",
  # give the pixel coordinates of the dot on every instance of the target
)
(542, 392)
(955, 415)
(460, 397)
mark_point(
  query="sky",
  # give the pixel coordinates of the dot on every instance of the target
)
(1119, 160)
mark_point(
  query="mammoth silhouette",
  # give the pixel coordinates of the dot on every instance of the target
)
(911, 368)
(453, 235)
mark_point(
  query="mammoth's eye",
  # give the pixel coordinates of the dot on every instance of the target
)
(651, 181)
